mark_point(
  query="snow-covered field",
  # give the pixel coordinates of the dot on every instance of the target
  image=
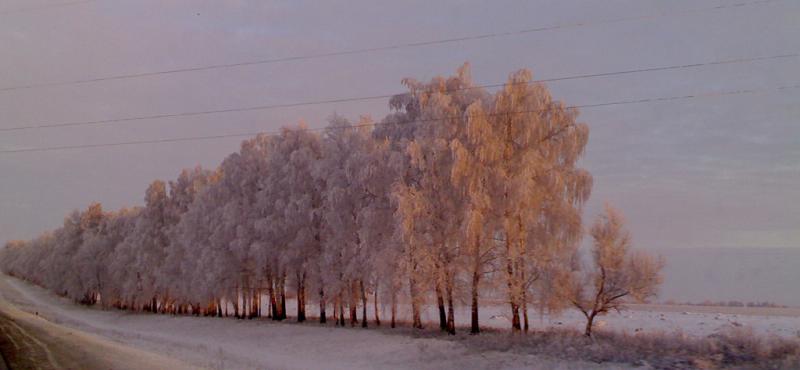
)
(695, 321)
(227, 343)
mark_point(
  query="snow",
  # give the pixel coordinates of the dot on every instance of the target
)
(694, 321)
(698, 324)
(39, 343)
(226, 343)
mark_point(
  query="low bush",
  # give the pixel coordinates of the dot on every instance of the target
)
(735, 348)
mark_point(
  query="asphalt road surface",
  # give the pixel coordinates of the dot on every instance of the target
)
(28, 341)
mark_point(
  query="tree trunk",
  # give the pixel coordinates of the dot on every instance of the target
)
(245, 302)
(246, 305)
(273, 301)
(353, 306)
(589, 320)
(363, 304)
(322, 318)
(283, 296)
(476, 279)
(394, 308)
(415, 303)
(375, 301)
(301, 297)
(336, 311)
(254, 304)
(511, 282)
(515, 322)
(451, 324)
(251, 304)
(475, 326)
(440, 304)
(525, 311)
(341, 311)
(236, 306)
(248, 297)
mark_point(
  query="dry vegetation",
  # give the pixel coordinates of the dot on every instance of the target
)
(735, 348)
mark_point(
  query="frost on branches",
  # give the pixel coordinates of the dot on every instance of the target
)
(456, 196)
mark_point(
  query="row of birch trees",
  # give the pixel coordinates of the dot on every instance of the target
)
(459, 195)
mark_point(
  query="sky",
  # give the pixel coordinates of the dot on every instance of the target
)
(713, 171)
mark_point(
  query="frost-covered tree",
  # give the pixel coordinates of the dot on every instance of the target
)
(473, 173)
(179, 262)
(209, 269)
(97, 254)
(458, 194)
(61, 268)
(15, 257)
(357, 209)
(539, 188)
(240, 183)
(151, 241)
(374, 170)
(288, 204)
(342, 203)
(617, 273)
(430, 203)
(302, 214)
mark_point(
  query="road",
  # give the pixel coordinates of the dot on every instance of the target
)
(28, 341)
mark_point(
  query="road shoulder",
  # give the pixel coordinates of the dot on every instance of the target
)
(29, 341)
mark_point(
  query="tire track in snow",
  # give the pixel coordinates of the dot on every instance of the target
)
(48, 354)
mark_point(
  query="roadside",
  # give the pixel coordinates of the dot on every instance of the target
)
(206, 342)
(28, 341)
(216, 343)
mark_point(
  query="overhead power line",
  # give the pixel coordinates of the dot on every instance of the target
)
(388, 47)
(386, 96)
(273, 133)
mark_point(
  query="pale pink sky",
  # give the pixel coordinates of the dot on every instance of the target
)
(716, 171)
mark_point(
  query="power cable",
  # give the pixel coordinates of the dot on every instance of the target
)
(250, 134)
(385, 96)
(388, 47)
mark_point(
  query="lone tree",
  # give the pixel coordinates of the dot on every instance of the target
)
(617, 272)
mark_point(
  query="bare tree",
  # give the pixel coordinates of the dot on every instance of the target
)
(617, 273)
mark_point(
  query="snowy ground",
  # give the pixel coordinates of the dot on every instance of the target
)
(231, 344)
(695, 321)
(220, 343)
(29, 342)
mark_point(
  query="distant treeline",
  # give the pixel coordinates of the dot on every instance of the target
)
(727, 304)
